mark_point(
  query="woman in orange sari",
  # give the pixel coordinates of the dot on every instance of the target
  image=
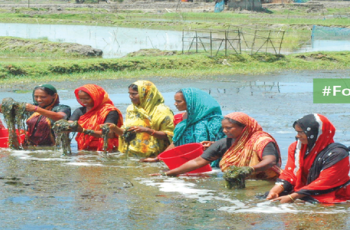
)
(97, 109)
(246, 145)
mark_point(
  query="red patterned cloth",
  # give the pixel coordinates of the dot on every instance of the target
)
(95, 117)
(247, 149)
(39, 127)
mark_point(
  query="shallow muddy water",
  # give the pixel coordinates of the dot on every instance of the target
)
(43, 190)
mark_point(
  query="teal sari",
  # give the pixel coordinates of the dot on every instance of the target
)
(203, 121)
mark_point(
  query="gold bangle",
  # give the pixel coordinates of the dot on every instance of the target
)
(291, 197)
(163, 174)
(281, 186)
(252, 168)
(83, 130)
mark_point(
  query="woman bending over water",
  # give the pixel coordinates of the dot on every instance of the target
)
(46, 109)
(317, 169)
(97, 109)
(201, 121)
(246, 145)
(149, 118)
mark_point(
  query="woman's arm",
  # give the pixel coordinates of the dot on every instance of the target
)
(187, 167)
(288, 198)
(266, 163)
(157, 134)
(275, 191)
(55, 116)
(156, 159)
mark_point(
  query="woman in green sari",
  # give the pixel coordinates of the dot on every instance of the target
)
(201, 123)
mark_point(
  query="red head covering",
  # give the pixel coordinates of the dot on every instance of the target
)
(320, 131)
(95, 117)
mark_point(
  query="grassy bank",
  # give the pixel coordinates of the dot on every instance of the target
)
(11, 47)
(174, 66)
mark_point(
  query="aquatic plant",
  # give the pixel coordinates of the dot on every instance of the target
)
(61, 129)
(128, 137)
(105, 131)
(15, 115)
(235, 176)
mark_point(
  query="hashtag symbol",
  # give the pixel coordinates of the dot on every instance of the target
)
(326, 90)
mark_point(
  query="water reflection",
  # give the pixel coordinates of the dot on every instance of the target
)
(113, 41)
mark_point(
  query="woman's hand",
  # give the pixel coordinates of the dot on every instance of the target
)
(79, 129)
(114, 129)
(31, 108)
(272, 195)
(275, 191)
(139, 129)
(155, 174)
(284, 199)
(206, 144)
(150, 159)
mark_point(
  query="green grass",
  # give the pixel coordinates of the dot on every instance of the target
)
(12, 47)
(198, 65)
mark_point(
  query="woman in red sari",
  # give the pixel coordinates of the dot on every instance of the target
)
(97, 109)
(317, 168)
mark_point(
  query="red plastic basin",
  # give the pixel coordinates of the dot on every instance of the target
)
(177, 156)
(4, 138)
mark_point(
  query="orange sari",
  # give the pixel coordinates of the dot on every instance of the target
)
(247, 149)
(96, 117)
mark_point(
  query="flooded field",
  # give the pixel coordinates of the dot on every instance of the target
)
(113, 41)
(43, 190)
(118, 41)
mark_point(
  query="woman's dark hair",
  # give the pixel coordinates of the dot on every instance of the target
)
(179, 91)
(47, 90)
(235, 122)
(133, 87)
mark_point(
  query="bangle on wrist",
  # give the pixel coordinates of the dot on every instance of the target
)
(281, 186)
(36, 108)
(291, 197)
(163, 174)
(252, 168)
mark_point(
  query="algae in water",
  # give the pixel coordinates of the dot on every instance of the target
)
(61, 129)
(128, 137)
(235, 176)
(15, 115)
(105, 131)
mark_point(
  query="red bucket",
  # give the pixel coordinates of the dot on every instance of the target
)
(177, 156)
(4, 138)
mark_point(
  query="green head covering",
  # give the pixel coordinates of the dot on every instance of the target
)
(49, 89)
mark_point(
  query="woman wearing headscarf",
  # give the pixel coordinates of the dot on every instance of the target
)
(317, 169)
(201, 121)
(46, 109)
(149, 118)
(246, 145)
(97, 109)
